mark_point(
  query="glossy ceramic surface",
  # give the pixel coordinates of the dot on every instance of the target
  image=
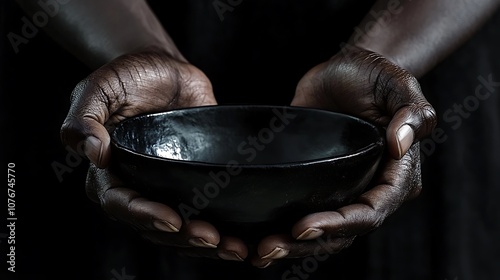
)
(251, 170)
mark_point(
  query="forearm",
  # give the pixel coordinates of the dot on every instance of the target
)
(418, 34)
(96, 31)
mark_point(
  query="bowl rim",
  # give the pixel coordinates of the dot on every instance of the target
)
(378, 144)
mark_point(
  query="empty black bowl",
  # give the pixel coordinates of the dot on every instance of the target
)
(251, 170)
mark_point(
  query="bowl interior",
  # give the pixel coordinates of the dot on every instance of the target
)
(256, 135)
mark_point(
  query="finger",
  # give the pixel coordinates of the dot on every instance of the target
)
(232, 249)
(399, 182)
(277, 247)
(270, 249)
(198, 234)
(83, 127)
(229, 248)
(128, 206)
(95, 180)
(201, 234)
(410, 124)
(413, 117)
(94, 139)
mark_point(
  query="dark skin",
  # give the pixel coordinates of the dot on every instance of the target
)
(375, 78)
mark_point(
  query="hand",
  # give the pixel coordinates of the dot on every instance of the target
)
(366, 85)
(144, 82)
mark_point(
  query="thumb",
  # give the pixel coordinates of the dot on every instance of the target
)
(410, 123)
(83, 128)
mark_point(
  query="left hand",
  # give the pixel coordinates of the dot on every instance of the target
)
(364, 84)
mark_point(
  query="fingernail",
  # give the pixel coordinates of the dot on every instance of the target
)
(276, 253)
(310, 233)
(230, 256)
(93, 149)
(405, 139)
(165, 226)
(200, 242)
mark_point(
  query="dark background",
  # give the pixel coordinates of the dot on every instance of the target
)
(256, 55)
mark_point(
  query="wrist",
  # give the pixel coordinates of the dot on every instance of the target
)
(164, 47)
(392, 52)
(387, 31)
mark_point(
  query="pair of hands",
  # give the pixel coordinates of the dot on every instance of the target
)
(356, 82)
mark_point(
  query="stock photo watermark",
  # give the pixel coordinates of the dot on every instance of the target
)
(30, 27)
(11, 217)
(73, 160)
(222, 7)
(381, 19)
(310, 264)
(249, 148)
(122, 275)
(457, 113)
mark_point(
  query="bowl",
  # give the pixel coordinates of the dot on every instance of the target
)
(251, 170)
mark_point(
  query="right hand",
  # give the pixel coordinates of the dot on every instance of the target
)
(143, 82)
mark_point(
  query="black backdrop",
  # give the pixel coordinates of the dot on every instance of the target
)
(451, 231)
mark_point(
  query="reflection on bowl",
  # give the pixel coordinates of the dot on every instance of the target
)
(251, 170)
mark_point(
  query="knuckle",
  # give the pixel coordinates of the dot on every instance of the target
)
(374, 222)
(429, 115)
